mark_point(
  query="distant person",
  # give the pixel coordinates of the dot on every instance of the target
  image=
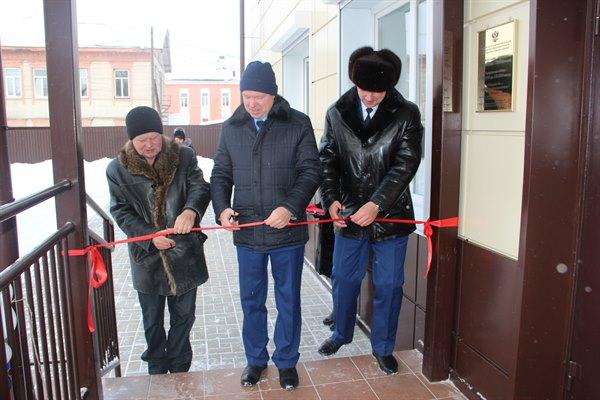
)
(370, 151)
(156, 184)
(180, 138)
(268, 156)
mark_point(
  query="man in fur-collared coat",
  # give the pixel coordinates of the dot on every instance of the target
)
(370, 151)
(156, 184)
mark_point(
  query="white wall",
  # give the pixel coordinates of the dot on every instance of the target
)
(492, 153)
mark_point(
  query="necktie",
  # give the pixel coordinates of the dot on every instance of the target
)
(259, 123)
(368, 119)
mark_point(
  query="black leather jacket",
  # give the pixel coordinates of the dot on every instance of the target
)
(375, 163)
(146, 199)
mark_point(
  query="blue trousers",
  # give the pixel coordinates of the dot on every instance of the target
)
(286, 268)
(172, 353)
(350, 260)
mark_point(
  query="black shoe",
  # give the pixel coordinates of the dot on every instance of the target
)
(288, 378)
(328, 320)
(388, 364)
(251, 374)
(329, 347)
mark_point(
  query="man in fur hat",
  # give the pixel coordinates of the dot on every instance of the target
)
(156, 184)
(370, 151)
(267, 151)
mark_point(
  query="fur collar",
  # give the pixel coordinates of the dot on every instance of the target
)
(348, 107)
(281, 110)
(161, 174)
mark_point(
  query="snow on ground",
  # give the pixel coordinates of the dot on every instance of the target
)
(39, 222)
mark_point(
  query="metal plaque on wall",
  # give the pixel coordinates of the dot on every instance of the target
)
(496, 68)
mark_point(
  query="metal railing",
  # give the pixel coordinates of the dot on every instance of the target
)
(106, 337)
(37, 317)
(38, 359)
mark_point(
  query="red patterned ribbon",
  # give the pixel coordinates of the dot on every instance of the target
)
(98, 273)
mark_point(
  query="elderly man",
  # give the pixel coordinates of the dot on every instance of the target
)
(156, 184)
(268, 152)
(370, 151)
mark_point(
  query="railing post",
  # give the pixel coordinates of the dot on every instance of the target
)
(8, 228)
(65, 129)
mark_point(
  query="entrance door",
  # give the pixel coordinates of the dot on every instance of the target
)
(585, 347)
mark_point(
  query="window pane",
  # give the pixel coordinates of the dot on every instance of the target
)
(83, 82)
(40, 83)
(12, 82)
(121, 73)
(125, 88)
(395, 33)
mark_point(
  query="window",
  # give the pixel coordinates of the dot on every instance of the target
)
(225, 98)
(225, 103)
(12, 82)
(204, 105)
(83, 82)
(40, 83)
(121, 83)
(183, 98)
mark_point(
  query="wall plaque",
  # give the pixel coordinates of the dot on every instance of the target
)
(496, 68)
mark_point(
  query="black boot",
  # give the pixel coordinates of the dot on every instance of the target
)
(251, 374)
(288, 378)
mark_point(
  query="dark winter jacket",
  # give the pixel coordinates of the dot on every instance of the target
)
(146, 199)
(374, 163)
(277, 166)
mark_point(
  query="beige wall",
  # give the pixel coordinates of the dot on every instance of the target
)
(492, 152)
(267, 20)
(100, 107)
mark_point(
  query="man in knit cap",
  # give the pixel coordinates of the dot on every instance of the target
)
(267, 151)
(370, 151)
(156, 184)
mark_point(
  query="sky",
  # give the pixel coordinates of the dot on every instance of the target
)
(39, 222)
(200, 30)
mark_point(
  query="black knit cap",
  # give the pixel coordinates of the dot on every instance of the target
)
(375, 71)
(179, 133)
(142, 120)
(259, 77)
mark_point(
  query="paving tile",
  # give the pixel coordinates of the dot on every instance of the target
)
(126, 388)
(369, 367)
(355, 390)
(439, 389)
(412, 358)
(177, 386)
(238, 396)
(300, 393)
(400, 387)
(225, 381)
(332, 371)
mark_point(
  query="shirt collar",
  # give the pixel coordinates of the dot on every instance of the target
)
(364, 110)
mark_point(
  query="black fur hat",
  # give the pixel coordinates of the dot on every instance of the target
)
(375, 71)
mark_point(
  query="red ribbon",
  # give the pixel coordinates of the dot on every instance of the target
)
(98, 273)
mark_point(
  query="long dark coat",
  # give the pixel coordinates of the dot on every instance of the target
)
(146, 199)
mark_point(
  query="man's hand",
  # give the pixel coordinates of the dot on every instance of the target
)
(163, 243)
(185, 221)
(365, 215)
(334, 210)
(279, 218)
(227, 219)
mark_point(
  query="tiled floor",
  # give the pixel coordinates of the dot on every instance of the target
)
(348, 378)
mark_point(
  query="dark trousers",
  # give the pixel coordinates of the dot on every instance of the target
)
(172, 353)
(286, 268)
(350, 260)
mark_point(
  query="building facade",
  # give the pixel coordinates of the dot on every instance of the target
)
(507, 310)
(196, 101)
(111, 82)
